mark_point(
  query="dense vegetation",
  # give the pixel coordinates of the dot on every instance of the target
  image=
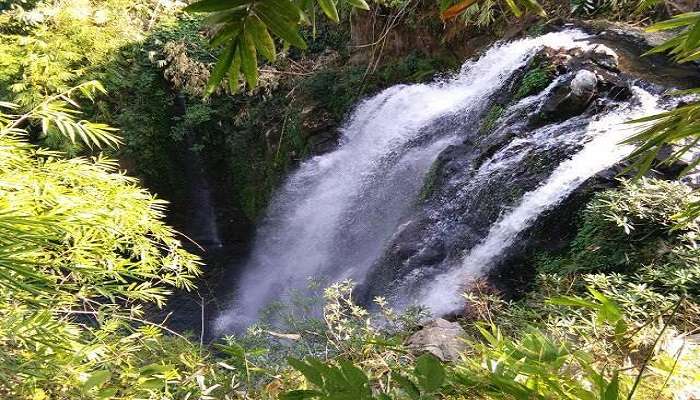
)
(85, 253)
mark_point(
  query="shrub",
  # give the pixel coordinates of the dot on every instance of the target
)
(634, 230)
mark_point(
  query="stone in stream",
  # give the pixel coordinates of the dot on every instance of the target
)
(584, 83)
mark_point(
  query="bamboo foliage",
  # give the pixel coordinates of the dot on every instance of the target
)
(80, 238)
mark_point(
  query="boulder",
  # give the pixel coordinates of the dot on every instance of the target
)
(604, 56)
(584, 83)
(564, 103)
(441, 338)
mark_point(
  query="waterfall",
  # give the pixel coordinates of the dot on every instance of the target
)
(442, 295)
(337, 215)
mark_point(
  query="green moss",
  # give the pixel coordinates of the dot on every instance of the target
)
(429, 182)
(538, 29)
(492, 116)
(534, 81)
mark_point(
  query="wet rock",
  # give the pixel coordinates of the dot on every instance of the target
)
(441, 338)
(603, 56)
(630, 42)
(564, 103)
(584, 83)
(323, 142)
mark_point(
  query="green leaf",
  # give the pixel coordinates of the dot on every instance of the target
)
(361, 4)
(430, 373)
(620, 328)
(223, 65)
(279, 26)
(234, 72)
(535, 6)
(572, 302)
(96, 379)
(608, 310)
(691, 42)
(262, 38)
(155, 368)
(357, 378)
(285, 9)
(249, 59)
(107, 393)
(229, 31)
(215, 5)
(675, 22)
(407, 386)
(329, 8)
(154, 383)
(612, 392)
(514, 8)
(310, 373)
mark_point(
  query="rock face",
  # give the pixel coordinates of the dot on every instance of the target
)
(441, 338)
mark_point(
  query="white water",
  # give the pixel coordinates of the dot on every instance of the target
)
(333, 217)
(443, 295)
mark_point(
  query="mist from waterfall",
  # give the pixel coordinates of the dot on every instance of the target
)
(334, 216)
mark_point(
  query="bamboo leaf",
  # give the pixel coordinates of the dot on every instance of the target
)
(261, 36)
(693, 38)
(219, 71)
(329, 8)
(361, 4)
(514, 8)
(285, 9)
(281, 27)
(235, 71)
(229, 31)
(249, 59)
(96, 379)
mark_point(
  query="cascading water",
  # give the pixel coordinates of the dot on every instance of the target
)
(346, 214)
(442, 295)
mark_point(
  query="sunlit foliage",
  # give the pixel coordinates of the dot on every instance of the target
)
(82, 249)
